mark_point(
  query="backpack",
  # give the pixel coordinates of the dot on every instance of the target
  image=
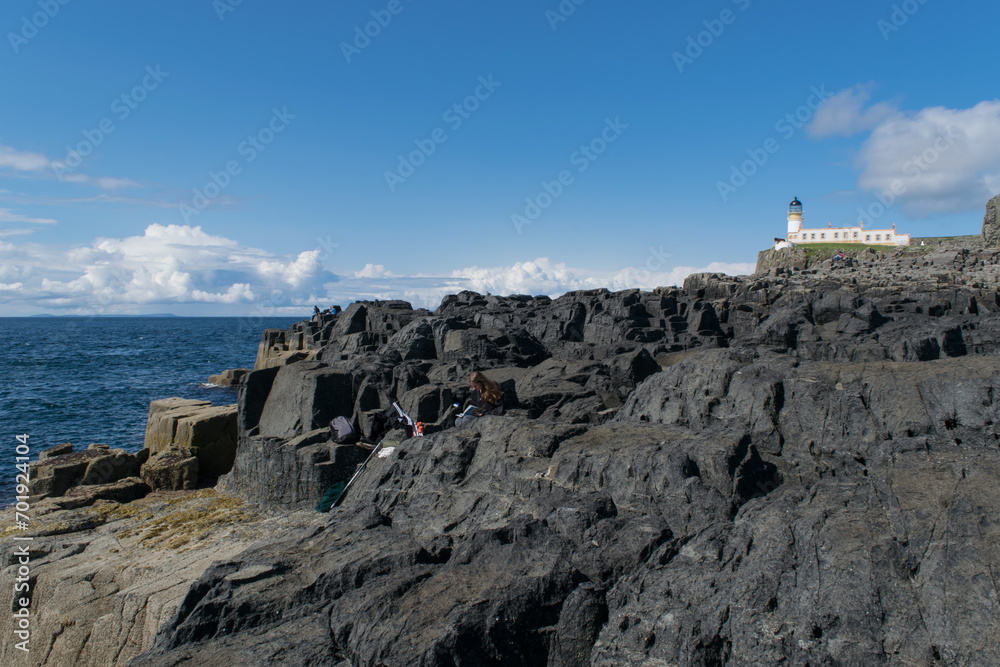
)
(342, 431)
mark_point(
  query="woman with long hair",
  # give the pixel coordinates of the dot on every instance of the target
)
(485, 398)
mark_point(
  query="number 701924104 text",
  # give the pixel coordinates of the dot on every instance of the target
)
(21, 480)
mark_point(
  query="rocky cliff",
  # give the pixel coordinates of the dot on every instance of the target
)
(794, 467)
(991, 224)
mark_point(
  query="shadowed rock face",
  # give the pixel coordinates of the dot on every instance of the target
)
(796, 467)
(807, 475)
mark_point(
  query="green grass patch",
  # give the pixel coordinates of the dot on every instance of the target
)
(849, 247)
(823, 251)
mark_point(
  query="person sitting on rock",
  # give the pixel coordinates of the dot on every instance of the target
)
(484, 395)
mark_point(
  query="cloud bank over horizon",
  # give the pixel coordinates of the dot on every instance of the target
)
(183, 269)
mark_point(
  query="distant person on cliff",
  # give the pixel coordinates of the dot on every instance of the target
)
(485, 398)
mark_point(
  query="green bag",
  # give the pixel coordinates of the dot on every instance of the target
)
(330, 496)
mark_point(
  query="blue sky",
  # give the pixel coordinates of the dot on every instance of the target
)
(235, 158)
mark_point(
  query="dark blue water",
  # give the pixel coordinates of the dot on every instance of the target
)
(91, 379)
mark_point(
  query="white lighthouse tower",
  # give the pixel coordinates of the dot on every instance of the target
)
(794, 218)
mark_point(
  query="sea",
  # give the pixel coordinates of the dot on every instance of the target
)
(90, 379)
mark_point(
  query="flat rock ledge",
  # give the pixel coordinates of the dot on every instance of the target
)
(207, 431)
(107, 577)
(231, 377)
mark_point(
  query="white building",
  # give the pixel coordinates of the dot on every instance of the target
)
(798, 234)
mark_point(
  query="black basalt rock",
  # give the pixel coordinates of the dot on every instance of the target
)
(797, 467)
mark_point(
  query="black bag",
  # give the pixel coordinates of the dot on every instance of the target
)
(342, 431)
(399, 420)
(380, 426)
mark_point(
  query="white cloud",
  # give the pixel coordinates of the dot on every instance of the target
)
(294, 274)
(6, 215)
(17, 231)
(540, 276)
(26, 161)
(844, 113)
(185, 270)
(108, 183)
(937, 160)
(235, 294)
(649, 280)
(184, 235)
(302, 269)
(536, 277)
(168, 265)
(11, 158)
(373, 271)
